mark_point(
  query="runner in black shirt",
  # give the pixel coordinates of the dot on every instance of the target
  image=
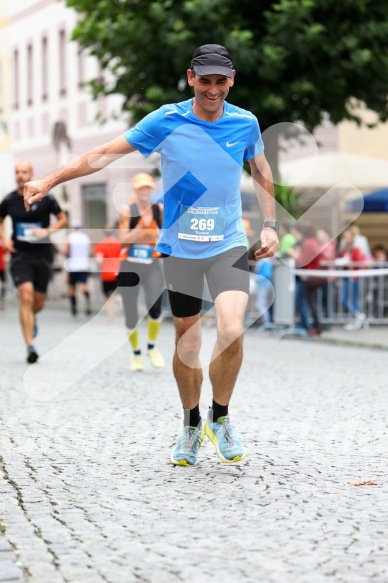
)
(31, 250)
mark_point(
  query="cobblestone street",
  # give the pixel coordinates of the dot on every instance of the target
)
(88, 494)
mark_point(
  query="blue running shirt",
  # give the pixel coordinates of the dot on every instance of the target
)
(201, 165)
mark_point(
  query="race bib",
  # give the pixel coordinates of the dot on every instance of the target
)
(201, 223)
(24, 231)
(140, 253)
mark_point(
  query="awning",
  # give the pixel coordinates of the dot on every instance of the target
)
(374, 202)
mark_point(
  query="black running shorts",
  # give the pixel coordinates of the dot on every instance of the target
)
(228, 271)
(108, 287)
(30, 268)
(75, 277)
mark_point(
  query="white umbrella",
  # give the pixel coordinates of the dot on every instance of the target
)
(331, 168)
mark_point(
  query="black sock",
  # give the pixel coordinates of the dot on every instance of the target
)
(219, 410)
(87, 301)
(192, 417)
(73, 305)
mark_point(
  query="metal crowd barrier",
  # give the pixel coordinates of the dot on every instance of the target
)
(372, 293)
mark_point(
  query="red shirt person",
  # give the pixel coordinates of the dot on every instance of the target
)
(107, 254)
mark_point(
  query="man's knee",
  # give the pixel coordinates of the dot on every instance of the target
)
(26, 295)
(188, 338)
(230, 336)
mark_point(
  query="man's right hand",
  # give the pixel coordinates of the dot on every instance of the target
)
(33, 192)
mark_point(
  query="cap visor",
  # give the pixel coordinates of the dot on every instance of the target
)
(141, 184)
(213, 70)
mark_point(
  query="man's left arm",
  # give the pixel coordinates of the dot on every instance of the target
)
(264, 188)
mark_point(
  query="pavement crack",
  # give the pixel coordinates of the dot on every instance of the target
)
(19, 496)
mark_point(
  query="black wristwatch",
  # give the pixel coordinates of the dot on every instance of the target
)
(272, 224)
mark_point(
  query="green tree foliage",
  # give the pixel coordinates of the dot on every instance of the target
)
(296, 60)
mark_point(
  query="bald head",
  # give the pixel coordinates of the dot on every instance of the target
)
(23, 174)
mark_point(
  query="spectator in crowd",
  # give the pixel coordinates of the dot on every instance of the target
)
(328, 249)
(360, 242)
(307, 256)
(107, 254)
(379, 254)
(3, 253)
(291, 236)
(264, 290)
(380, 283)
(327, 246)
(78, 250)
(350, 253)
(287, 239)
(298, 233)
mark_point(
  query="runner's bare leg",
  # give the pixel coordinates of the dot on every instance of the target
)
(227, 355)
(26, 313)
(188, 374)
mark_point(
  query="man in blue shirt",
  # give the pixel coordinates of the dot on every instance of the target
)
(203, 143)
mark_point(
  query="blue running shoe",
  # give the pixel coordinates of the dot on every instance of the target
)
(225, 439)
(185, 453)
(36, 329)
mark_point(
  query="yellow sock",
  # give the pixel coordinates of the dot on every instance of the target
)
(134, 339)
(153, 329)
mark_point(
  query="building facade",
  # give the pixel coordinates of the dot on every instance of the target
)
(52, 115)
(6, 160)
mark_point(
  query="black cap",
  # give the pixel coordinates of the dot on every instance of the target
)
(212, 60)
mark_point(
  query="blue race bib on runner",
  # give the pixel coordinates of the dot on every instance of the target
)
(24, 231)
(138, 253)
(201, 223)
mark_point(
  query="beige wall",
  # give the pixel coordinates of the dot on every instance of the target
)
(364, 141)
(371, 142)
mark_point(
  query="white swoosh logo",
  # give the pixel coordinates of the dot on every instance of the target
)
(230, 145)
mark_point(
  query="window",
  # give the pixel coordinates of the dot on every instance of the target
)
(16, 79)
(94, 207)
(29, 74)
(81, 69)
(44, 68)
(62, 62)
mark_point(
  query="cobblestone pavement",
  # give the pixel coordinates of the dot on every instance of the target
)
(88, 495)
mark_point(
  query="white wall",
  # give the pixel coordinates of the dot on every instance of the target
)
(32, 125)
(6, 161)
